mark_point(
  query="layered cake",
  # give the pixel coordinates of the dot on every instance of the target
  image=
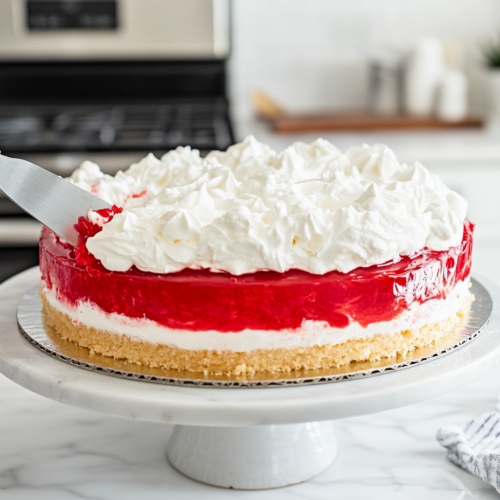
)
(255, 261)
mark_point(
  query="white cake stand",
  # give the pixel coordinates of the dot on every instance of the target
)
(240, 438)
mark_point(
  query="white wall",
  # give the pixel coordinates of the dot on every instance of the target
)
(313, 54)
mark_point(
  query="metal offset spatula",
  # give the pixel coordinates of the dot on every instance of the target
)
(56, 203)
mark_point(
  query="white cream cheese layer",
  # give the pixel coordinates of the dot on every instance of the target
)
(311, 333)
(309, 207)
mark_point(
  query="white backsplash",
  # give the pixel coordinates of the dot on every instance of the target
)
(314, 54)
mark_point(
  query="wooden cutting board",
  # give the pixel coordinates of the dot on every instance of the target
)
(289, 123)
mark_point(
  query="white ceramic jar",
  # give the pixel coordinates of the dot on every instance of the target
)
(424, 72)
(452, 96)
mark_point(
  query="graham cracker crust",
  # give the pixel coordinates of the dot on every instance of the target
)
(262, 360)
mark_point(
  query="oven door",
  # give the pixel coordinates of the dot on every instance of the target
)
(15, 259)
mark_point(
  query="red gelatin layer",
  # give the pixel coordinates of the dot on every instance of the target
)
(202, 300)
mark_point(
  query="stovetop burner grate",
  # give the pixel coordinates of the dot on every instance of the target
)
(202, 125)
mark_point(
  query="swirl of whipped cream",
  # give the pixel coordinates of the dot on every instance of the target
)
(141, 182)
(310, 207)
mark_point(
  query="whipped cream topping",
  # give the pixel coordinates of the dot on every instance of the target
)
(309, 207)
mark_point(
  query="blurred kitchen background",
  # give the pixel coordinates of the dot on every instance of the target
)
(111, 80)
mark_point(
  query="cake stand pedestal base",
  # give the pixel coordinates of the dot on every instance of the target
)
(252, 458)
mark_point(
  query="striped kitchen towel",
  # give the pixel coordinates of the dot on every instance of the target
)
(476, 446)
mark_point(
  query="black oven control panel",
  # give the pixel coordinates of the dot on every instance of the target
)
(54, 15)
